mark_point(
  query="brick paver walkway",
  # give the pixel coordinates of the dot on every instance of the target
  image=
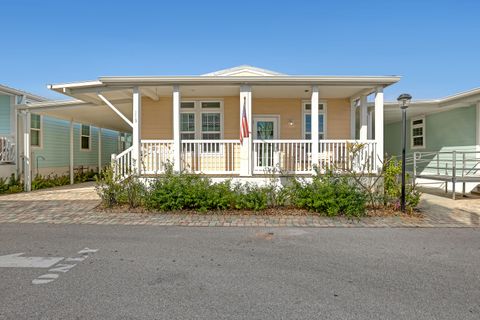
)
(75, 205)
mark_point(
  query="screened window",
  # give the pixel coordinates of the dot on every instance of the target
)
(85, 137)
(187, 126)
(308, 121)
(418, 132)
(35, 130)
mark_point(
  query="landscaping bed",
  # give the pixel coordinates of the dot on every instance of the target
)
(350, 194)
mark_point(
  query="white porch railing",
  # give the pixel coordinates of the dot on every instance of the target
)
(7, 150)
(122, 164)
(211, 156)
(269, 156)
(348, 154)
(295, 156)
(156, 154)
(288, 156)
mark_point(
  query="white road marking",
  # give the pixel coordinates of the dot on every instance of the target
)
(16, 261)
(63, 267)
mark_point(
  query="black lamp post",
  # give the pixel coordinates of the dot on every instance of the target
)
(403, 101)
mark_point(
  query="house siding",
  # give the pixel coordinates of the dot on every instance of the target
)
(157, 116)
(55, 148)
(444, 131)
(5, 115)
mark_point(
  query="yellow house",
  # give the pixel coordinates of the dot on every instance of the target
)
(295, 123)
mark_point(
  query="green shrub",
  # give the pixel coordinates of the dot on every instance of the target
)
(330, 195)
(109, 188)
(52, 180)
(177, 191)
(393, 186)
(250, 197)
(10, 185)
(132, 192)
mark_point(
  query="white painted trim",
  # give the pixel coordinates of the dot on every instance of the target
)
(99, 145)
(424, 130)
(89, 137)
(177, 145)
(246, 154)
(267, 117)
(118, 112)
(198, 111)
(379, 123)
(137, 130)
(27, 172)
(314, 122)
(305, 112)
(40, 146)
(363, 118)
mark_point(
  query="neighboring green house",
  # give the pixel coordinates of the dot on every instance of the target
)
(441, 125)
(50, 140)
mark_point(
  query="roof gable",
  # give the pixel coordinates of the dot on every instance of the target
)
(244, 71)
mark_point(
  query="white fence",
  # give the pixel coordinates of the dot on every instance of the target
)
(7, 150)
(343, 155)
(211, 156)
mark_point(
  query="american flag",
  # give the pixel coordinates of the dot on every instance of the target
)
(244, 132)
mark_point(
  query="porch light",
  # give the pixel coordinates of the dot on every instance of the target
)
(291, 123)
(403, 101)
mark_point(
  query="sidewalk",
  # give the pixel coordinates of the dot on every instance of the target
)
(75, 205)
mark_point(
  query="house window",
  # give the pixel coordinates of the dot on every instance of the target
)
(418, 133)
(35, 130)
(85, 137)
(125, 141)
(307, 119)
(187, 126)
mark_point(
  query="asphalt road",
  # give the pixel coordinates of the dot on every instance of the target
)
(142, 272)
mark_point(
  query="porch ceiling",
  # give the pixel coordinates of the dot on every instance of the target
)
(84, 112)
(258, 91)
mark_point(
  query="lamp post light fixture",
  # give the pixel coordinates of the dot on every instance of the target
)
(403, 101)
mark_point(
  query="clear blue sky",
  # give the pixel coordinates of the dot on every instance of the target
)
(434, 45)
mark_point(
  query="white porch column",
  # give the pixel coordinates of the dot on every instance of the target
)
(71, 165)
(246, 149)
(363, 118)
(99, 150)
(379, 125)
(353, 118)
(27, 165)
(177, 145)
(136, 131)
(314, 122)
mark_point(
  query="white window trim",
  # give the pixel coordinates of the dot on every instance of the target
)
(305, 112)
(89, 137)
(40, 146)
(424, 135)
(198, 110)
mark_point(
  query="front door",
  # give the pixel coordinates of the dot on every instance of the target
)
(265, 128)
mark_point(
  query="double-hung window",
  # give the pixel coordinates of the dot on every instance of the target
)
(35, 130)
(418, 133)
(202, 120)
(85, 137)
(307, 118)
